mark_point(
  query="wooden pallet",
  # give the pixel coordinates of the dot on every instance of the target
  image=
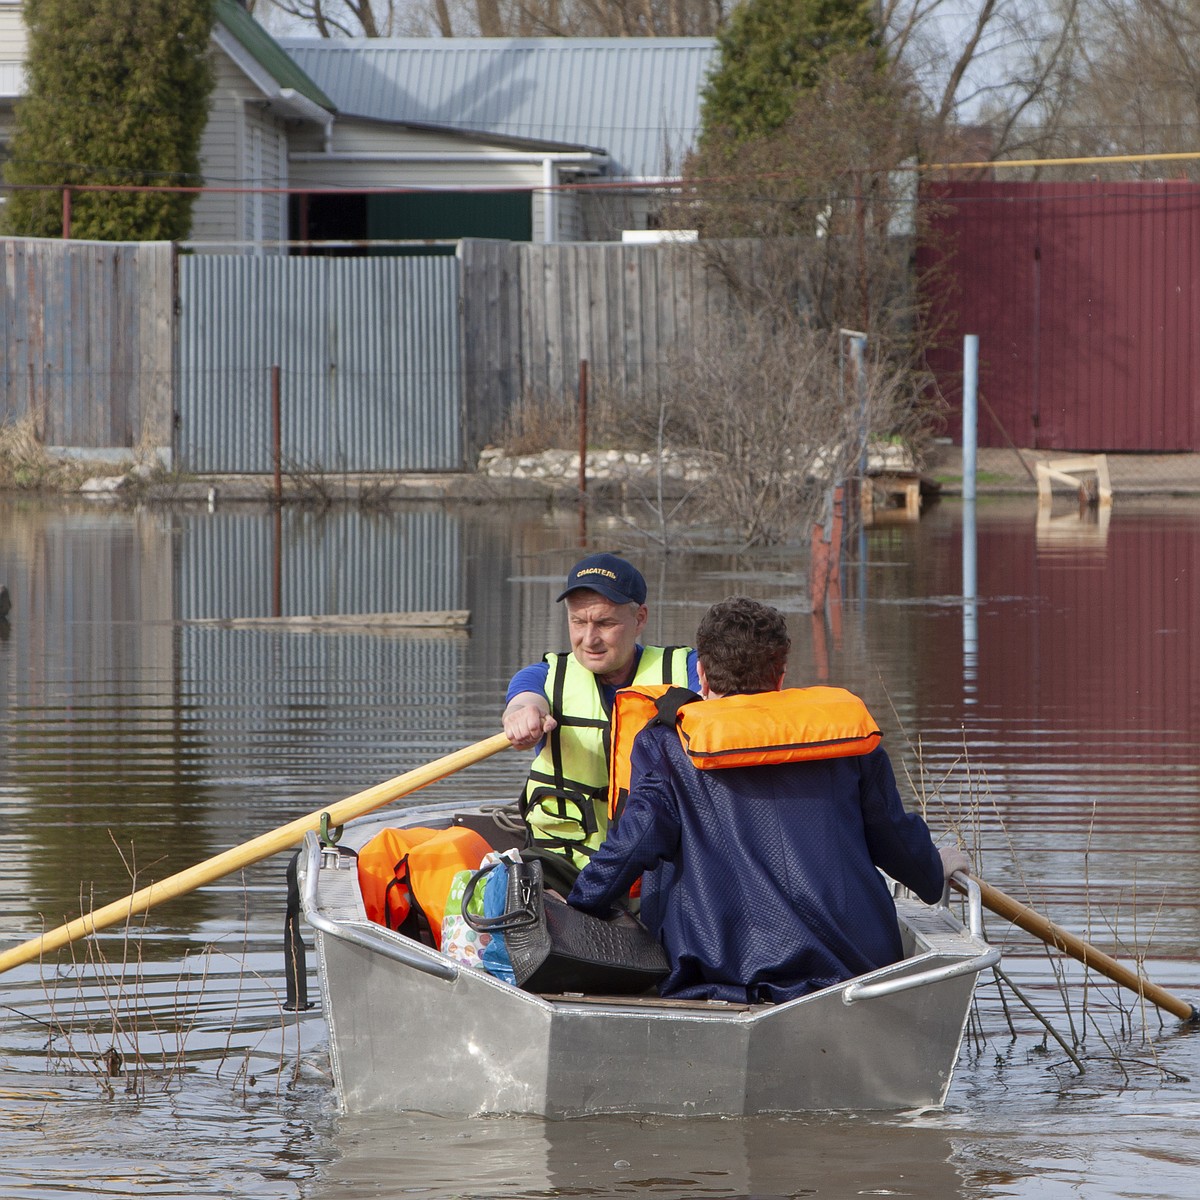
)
(1086, 473)
(891, 497)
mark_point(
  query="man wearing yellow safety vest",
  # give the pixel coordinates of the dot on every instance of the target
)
(759, 820)
(563, 705)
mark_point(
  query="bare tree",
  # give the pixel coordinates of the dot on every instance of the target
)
(837, 174)
(1002, 64)
(1136, 86)
(507, 18)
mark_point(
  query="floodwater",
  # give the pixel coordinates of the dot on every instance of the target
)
(1039, 689)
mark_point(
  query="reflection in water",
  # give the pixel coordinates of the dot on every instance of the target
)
(521, 1157)
(970, 635)
(1083, 529)
(1072, 766)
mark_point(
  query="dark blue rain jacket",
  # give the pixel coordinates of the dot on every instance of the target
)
(762, 882)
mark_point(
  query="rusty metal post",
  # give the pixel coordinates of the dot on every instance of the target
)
(583, 429)
(275, 435)
(304, 234)
(66, 214)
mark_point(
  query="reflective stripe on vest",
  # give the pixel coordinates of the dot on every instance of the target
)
(764, 728)
(565, 803)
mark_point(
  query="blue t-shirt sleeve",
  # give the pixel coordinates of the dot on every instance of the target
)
(529, 679)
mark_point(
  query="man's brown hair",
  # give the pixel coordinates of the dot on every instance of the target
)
(743, 645)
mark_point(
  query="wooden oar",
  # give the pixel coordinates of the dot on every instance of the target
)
(248, 853)
(1054, 935)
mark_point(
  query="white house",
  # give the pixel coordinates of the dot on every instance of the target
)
(417, 139)
(259, 101)
(508, 130)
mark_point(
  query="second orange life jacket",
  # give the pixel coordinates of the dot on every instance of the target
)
(793, 725)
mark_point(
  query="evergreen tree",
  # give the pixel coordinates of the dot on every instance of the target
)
(772, 49)
(117, 94)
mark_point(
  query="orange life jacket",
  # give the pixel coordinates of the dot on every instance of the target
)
(405, 874)
(794, 725)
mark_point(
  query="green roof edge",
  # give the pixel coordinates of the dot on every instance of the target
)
(268, 53)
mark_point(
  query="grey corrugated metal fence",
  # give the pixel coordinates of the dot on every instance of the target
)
(369, 355)
(87, 342)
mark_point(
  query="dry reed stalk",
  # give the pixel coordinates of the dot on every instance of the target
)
(970, 813)
(131, 1012)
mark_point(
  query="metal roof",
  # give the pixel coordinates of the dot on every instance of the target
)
(637, 98)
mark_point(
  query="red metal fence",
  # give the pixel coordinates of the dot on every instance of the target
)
(1086, 300)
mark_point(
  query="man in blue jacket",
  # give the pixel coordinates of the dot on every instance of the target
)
(762, 881)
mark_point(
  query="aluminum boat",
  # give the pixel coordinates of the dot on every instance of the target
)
(410, 1030)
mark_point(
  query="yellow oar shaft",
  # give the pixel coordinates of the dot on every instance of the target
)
(1054, 935)
(248, 853)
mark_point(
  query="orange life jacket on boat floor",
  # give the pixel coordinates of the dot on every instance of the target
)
(793, 725)
(405, 874)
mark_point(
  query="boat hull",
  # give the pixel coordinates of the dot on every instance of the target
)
(460, 1042)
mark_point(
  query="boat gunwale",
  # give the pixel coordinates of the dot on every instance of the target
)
(911, 913)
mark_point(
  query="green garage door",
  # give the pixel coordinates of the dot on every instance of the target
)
(506, 215)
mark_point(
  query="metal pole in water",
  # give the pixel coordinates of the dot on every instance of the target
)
(970, 629)
(970, 412)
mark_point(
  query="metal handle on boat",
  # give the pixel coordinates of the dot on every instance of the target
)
(358, 935)
(974, 903)
(854, 992)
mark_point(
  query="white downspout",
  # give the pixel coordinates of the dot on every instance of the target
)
(550, 202)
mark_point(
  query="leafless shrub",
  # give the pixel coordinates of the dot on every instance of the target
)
(773, 415)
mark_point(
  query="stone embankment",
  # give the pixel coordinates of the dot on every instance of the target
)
(554, 475)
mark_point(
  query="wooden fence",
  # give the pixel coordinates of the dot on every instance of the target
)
(91, 334)
(532, 312)
(87, 337)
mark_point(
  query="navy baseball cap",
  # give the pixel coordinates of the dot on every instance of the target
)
(613, 577)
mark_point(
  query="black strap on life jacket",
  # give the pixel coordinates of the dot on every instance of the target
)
(669, 704)
(414, 923)
(568, 802)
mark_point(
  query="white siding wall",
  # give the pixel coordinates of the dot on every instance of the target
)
(244, 146)
(350, 137)
(12, 32)
(12, 58)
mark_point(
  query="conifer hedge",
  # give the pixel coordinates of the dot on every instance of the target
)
(117, 94)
